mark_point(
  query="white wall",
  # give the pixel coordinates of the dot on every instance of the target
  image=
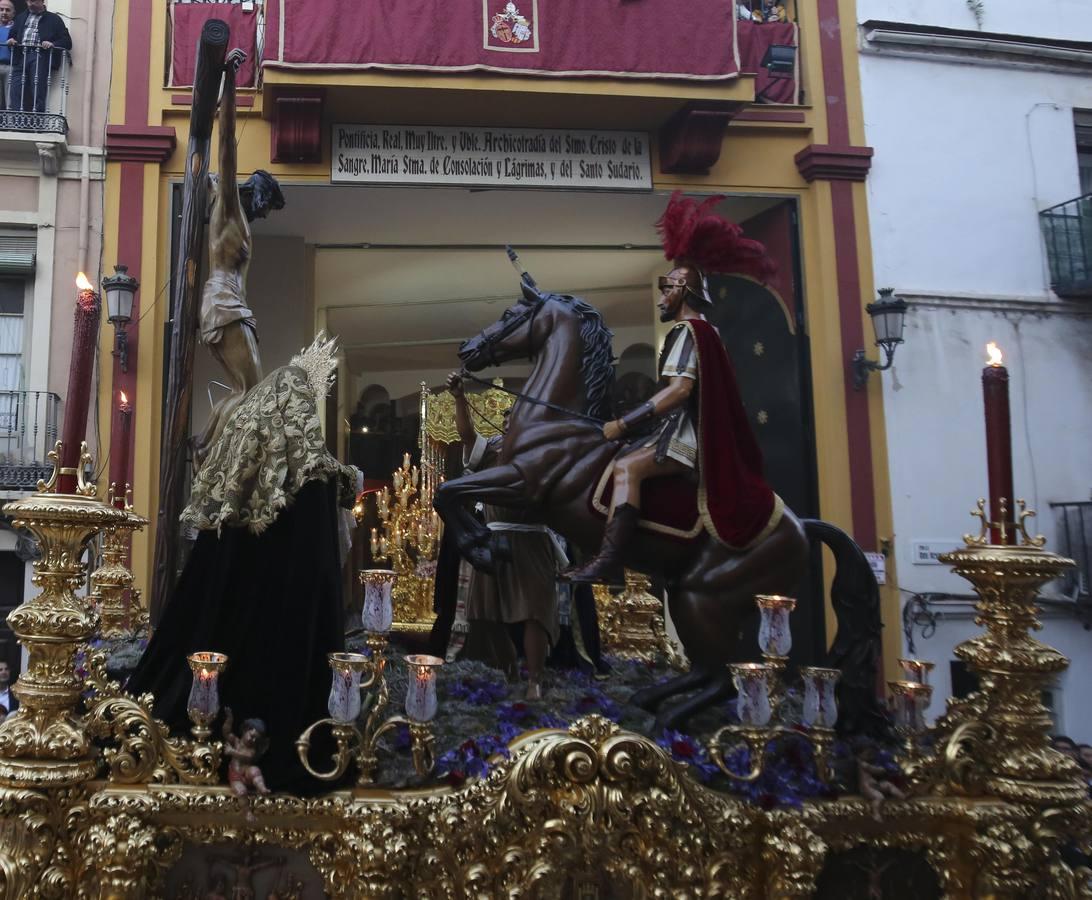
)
(936, 437)
(966, 156)
(967, 152)
(1061, 19)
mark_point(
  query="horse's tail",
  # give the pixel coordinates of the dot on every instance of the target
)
(855, 596)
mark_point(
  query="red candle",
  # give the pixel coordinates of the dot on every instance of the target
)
(85, 338)
(995, 392)
(119, 450)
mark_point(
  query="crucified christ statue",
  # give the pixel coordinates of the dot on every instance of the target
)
(227, 324)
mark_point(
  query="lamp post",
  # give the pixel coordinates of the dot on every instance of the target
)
(888, 315)
(120, 288)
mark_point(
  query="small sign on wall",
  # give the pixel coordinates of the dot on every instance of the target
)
(878, 562)
(480, 157)
(928, 553)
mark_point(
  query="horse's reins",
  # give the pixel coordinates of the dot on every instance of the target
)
(572, 413)
(492, 340)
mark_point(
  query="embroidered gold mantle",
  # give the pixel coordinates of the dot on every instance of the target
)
(270, 447)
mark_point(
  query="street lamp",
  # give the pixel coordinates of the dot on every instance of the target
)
(888, 320)
(120, 288)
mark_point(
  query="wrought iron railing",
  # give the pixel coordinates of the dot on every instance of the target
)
(1067, 230)
(28, 431)
(37, 96)
(1075, 541)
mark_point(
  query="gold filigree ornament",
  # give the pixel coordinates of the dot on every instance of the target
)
(113, 579)
(591, 804)
(631, 623)
(42, 744)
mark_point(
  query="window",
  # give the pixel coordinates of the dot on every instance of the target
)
(12, 293)
(1082, 122)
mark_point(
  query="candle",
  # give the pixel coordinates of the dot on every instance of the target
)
(421, 699)
(204, 700)
(85, 337)
(916, 670)
(995, 393)
(752, 682)
(820, 704)
(377, 612)
(343, 703)
(774, 636)
(119, 454)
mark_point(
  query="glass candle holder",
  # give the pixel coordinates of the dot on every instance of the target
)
(820, 707)
(774, 637)
(911, 700)
(204, 701)
(421, 688)
(916, 670)
(346, 668)
(377, 612)
(752, 681)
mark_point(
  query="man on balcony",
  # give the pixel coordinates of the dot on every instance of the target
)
(38, 42)
(7, 17)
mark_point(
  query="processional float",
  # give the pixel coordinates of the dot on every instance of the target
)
(98, 799)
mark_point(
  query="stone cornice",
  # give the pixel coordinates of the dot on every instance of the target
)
(999, 303)
(139, 143)
(827, 162)
(984, 48)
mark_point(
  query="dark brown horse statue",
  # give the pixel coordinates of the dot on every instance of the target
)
(552, 459)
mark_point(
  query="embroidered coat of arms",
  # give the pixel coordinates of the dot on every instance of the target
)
(510, 26)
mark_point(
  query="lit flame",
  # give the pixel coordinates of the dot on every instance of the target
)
(124, 399)
(83, 284)
(995, 354)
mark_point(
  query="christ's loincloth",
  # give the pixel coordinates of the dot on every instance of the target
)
(222, 303)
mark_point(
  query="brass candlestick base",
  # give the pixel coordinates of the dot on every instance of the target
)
(42, 744)
(113, 579)
(632, 623)
(1012, 753)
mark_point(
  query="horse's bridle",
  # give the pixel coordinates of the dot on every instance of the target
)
(491, 340)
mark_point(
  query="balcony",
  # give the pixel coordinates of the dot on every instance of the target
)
(1067, 230)
(35, 119)
(1074, 520)
(501, 65)
(28, 431)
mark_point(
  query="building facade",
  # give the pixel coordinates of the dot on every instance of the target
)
(402, 265)
(979, 208)
(52, 170)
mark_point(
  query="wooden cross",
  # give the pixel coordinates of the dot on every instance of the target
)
(185, 306)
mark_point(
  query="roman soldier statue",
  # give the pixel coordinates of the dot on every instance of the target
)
(695, 425)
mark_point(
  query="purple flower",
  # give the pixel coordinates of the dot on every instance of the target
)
(683, 748)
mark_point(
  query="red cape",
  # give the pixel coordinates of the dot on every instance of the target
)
(737, 506)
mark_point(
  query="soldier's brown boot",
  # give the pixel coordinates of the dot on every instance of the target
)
(606, 566)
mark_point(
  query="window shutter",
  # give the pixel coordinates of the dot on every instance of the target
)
(17, 255)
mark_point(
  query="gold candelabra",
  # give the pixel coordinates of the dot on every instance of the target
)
(43, 743)
(996, 741)
(359, 685)
(113, 579)
(47, 742)
(760, 695)
(409, 540)
(631, 623)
